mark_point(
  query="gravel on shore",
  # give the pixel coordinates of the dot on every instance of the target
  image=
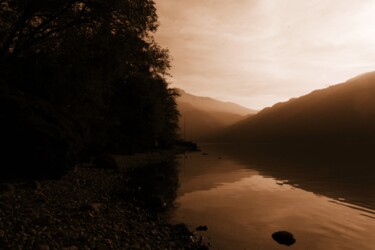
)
(81, 211)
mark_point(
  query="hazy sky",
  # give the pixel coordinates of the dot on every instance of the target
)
(259, 52)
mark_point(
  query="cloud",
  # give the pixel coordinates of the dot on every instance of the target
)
(246, 50)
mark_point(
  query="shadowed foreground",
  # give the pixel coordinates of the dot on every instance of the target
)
(84, 210)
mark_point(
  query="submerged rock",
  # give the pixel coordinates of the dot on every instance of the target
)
(284, 238)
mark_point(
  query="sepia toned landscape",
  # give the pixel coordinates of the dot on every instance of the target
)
(164, 124)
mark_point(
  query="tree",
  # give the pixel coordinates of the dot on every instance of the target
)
(96, 60)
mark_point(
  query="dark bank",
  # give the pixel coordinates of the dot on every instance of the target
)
(79, 81)
(117, 205)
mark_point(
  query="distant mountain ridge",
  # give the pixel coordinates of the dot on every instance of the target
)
(212, 105)
(340, 113)
(202, 116)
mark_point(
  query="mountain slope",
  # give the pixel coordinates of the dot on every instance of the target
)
(201, 116)
(212, 105)
(341, 113)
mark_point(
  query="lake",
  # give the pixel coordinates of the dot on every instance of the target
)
(323, 195)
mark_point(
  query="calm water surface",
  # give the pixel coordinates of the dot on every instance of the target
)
(243, 195)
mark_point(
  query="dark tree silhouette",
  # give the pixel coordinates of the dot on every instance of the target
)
(95, 61)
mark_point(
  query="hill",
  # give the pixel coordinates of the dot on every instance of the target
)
(201, 116)
(342, 113)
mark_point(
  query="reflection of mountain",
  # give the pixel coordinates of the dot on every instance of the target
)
(336, 173)
(340, 113)
(201, 172)
(203, 115)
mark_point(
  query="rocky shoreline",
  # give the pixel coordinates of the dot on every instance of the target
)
(84, 210)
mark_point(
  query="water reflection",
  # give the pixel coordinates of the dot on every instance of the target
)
(342, 173)
(245, 194)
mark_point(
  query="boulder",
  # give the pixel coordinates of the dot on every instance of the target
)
(284, 238)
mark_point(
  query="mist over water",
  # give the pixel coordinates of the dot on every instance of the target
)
(324, 196)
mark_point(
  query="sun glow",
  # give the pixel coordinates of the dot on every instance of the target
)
(257, 53)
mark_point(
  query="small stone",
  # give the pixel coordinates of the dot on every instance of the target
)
(71, 248)
(108, 242)
(96, 207)
(202, 228)
(284, 238)
(43, 220)
(42, 247)
(103, 246)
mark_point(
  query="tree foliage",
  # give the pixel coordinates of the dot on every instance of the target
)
(94, 59)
